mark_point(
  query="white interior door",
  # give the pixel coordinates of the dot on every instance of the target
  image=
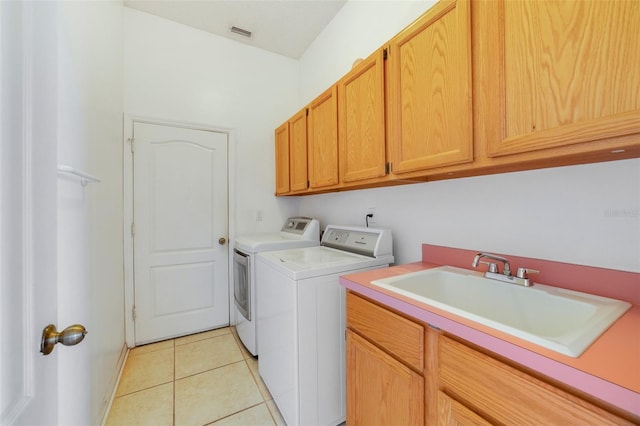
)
(181, 223)
(28, 300)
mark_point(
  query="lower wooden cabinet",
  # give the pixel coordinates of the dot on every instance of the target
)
(380, 389)
(503, 394)
(385, 362)
(454, 383)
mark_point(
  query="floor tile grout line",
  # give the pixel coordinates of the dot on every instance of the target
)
(200, 340)
(237, 412)
(143, 389)
(206, 371)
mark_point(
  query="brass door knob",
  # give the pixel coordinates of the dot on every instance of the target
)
(222, 241)
(70, 336)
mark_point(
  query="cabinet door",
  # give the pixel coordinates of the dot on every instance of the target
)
(381, 390)
(452, 413)
(323, 140)
(282, 159)
(362, 120)
(562, 72)
(430, 122)
(298, 151)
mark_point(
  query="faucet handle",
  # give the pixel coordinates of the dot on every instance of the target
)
(493, 267)
(524, 272)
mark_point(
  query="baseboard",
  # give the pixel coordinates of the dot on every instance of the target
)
(124, 354)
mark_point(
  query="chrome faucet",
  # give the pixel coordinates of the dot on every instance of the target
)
(493, 268)
(521, 278)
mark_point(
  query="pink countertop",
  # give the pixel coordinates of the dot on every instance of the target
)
(608, 370)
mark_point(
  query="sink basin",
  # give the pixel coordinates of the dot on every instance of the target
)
(564, 321)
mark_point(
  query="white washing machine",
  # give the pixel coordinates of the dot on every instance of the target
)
(301, 312)
(296, 232)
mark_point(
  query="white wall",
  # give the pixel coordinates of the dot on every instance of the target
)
(179, 73)
(90, 219)
(361, 27)
(583, 214)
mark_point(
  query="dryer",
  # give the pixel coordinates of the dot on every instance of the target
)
(295, 232)
(301, 313)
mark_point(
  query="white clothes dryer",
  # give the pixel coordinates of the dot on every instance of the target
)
(296, 232)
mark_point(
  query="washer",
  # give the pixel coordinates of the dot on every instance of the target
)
(301, 315)
(296, 232)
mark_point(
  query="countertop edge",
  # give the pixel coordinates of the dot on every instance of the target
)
(616, 395)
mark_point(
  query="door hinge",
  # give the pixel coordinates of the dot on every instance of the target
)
(132, 144)
(385, 53)
(133, 229)
(133, 312)
(387, 168)
(307, 111)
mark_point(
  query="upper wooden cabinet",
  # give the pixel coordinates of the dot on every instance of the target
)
(298, 151)
(282, 159)
(560, 72)
(322, 126)
(554, 83)
(430, 108)
(361, 120)
(291, 155)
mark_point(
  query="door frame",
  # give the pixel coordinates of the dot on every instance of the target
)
(129, 289)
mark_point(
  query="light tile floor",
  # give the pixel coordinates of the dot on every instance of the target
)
(202, 379)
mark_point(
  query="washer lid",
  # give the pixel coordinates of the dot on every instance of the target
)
(296, 232)
(256, 243)
(311, 262)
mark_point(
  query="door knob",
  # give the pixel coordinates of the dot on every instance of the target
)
(70, 336)
(222, 241)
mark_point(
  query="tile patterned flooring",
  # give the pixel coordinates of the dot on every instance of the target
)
(202, 379)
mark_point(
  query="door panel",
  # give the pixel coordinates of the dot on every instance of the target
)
(566, 73)
(298, 151)
(430, 117)
(28, 232)
(362, 121)
(182, 187)
(180, 212)
(282, 159)
(322, 138)
(179, 288)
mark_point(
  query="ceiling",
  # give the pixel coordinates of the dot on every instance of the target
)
(286, 27)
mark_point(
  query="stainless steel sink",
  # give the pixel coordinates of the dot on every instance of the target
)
(564, 321)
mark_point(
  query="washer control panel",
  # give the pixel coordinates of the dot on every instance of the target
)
(370, 242)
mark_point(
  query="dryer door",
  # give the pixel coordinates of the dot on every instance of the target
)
(242, 282)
